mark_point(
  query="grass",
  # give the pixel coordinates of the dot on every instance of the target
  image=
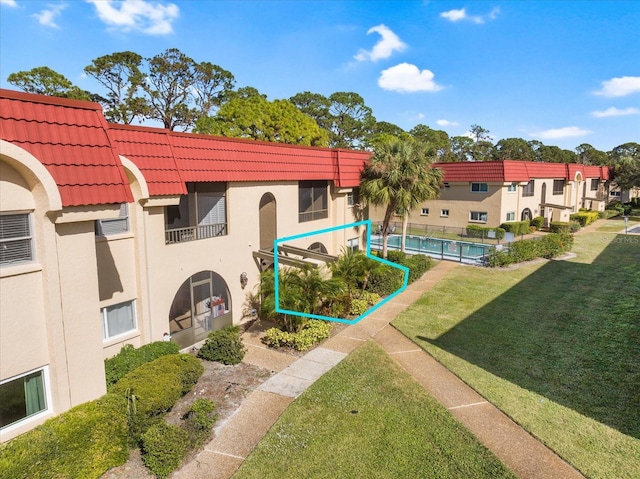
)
(555, 345)
(367, 418)
(616, 225)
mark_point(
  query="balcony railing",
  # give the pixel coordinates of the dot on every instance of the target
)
(313, 215)
(193, 233)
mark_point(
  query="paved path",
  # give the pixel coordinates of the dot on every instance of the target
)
(237, 437)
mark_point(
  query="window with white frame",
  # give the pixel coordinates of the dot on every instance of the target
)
(312, 200)
(444, 213)
(16, 240)
(22, 397)
(479, 187)
(615, 193)
(424, 211)
(512, 188)
(478, 216)
(353, 197)
(118, 319)
(558, 187)
(116, 225)
(595, 182)
(511, 216)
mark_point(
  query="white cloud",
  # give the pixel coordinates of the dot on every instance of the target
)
(458, 15)
(48, 16)
(613, 111)
(447, 123)
(140, 15)
(558, 133)
(389, 43)
(621, 86)
(407, 78)
(9, 3)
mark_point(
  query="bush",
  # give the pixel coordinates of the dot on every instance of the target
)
(130, 358)
(385, 280)
(477, 231)
(154, 388)
(518, 228)
(199, 420)
(608, 213)
(82, 442)
(418, 265)
(396, 256)
(549, 246)
(163, 448)
(559, 227)
(584, 217)
(312, 332)
(538, 222)
(224, 346)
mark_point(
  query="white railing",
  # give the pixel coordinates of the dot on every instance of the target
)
(193, 233)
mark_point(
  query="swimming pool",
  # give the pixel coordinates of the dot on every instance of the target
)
(462, 251)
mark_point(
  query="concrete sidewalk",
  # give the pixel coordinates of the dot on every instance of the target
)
(237, 437)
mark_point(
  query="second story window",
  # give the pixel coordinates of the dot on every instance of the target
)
(595, 182)
(479, 187)
(313, 200)
(16, 240)
(558, 187)
(114, 226)
(512, 188)
(424, 212)
(529, 188)
(353, 198)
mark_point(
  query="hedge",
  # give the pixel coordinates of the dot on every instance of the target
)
(83, 442)
(153, 389)
(549, 246)
(312, 331)
(585, 217)
(130, 358)
(476, 231)
(564, 227)
(518, 228)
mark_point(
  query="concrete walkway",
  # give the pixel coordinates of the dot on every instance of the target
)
(237, 437)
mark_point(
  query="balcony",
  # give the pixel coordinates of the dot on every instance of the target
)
(194, 233)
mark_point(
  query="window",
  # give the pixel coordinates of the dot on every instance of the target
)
(558, 187)
(529, 188)
(16, 242)
(353, 198)
(444, 213)
(424, 212)
(22, 397)
(512, 188)
(595, 182)
(446, 184)
(312, 200)
(200, 215)
(511, 216)
(114, 226)
(118, 319)
(614, 193)
(479, 187)
(479, 216)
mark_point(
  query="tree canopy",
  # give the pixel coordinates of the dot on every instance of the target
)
(45, 81)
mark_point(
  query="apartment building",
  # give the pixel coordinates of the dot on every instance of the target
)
(493, 192)
(114, 234)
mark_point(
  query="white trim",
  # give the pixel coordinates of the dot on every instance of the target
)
(20, 423)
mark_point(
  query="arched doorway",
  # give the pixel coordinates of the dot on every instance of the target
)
(526, 215)
(202, 304)
(268, 221)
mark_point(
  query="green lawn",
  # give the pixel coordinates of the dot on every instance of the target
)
(367, 418)
(616, 225)
(556, 345)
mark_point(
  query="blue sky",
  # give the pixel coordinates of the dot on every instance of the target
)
(562, 72)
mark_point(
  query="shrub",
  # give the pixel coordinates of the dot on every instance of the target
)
(396, 256)
(584, 217)
(549, 246)
(199, 420)
(553, 245)
(538, 222)
(82, 442)
(518, 228)
(224, 346)
(608, 213)
(312, 332)
(163, 448)
(130, 358)
(559, 227)
(418, 265)
(385, 280)
(154, 388)
(477, 231)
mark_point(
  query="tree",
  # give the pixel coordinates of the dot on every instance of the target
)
(121, 74)
(513, 149)
(352, 121)
(588, 155)
(482, 149)
(399, 177)
(631, 150)
(626, 173)
(461, 148)
(316, 106)
(254, 117)
(554, 154)
(437, 141)
(45, 81)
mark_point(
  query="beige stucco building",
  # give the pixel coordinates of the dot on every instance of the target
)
(113, 235)
(494, 192)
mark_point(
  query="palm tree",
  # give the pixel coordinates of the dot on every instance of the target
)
(399, 177)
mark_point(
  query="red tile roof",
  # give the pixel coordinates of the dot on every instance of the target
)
(70, 139)
(168, 159)
(517, 171)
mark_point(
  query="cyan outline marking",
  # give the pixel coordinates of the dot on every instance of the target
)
(277, 241)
